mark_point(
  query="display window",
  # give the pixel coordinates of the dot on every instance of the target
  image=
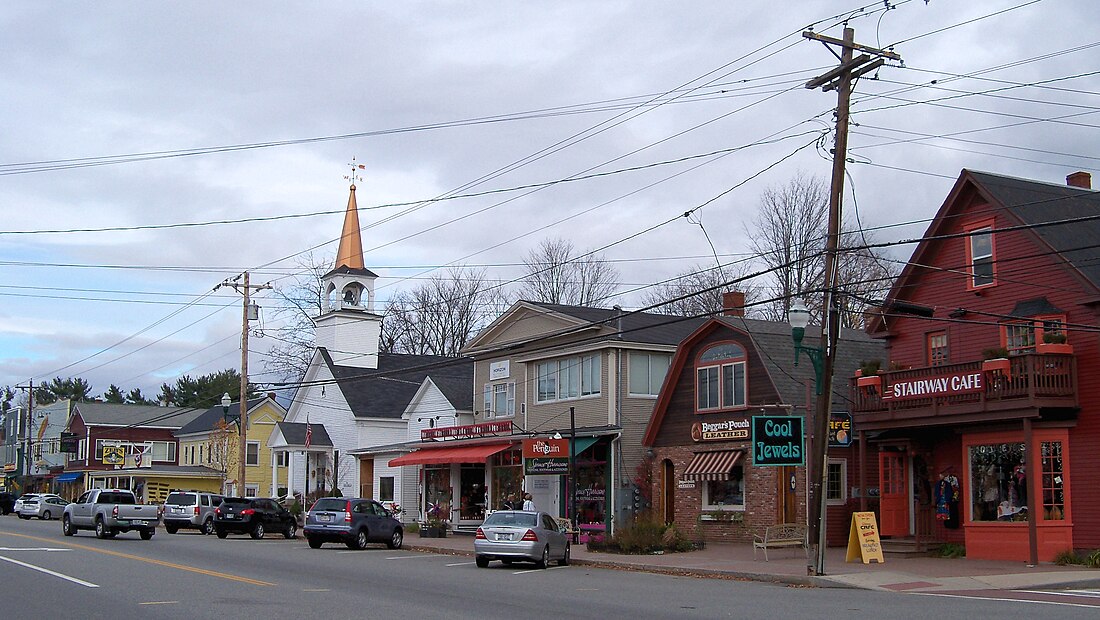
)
(507, 478)
(998, 478)
(437, 492)
(592, 487)
(725, 494)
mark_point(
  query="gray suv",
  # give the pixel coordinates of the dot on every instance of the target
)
(190, 510)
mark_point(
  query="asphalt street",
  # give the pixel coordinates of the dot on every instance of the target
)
(187, 575)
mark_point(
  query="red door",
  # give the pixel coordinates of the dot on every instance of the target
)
(893, 494)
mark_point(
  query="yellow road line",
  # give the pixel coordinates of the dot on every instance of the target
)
(118, 554)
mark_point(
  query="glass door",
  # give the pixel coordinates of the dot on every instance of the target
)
(472, 490)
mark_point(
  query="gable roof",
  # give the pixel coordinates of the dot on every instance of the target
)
(206, 420)
(294, 434)
(1032, 203)
(147, 416)
(774, 347)
(385, 392)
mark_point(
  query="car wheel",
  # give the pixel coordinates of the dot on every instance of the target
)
(67, 526)
(171, 529)
(481, 561)
(257, 530)
(291, 531)
(314, 543)
(220, 532)
(545, 559)
(360, 540)
(146, 534)
(207, 527)
(396, 540)
(46, 516)
(100, 528)
(564, 561)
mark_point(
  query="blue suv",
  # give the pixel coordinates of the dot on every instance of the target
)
(352, 521)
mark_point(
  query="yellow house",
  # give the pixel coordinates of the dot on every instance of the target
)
(210, 442)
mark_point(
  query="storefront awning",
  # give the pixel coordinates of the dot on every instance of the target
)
(712, 465)
(458, 454)
(584, 443)
(70, 476)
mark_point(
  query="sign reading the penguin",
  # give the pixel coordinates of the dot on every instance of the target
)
(545, 456)
(777, 441)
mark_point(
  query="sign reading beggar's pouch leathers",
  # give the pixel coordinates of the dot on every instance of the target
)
(777, 441)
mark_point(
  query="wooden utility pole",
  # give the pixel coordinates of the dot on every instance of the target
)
(242, 401)
(839, 78)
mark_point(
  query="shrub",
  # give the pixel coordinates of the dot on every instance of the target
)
(1068, 557)
(952, 550)
(643, 535)
(1093, 559)
(412, 528)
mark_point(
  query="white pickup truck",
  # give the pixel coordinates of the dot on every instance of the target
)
(108, 512)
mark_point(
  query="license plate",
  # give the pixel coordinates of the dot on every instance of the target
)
(177, 510)
(324, 518)
(504, 537)
(230, 516)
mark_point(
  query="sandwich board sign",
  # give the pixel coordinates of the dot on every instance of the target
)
(863, 539)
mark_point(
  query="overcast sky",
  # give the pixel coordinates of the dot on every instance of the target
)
(122, 115)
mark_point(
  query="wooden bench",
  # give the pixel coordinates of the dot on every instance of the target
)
(780, 536)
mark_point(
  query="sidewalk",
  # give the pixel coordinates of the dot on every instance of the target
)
(788, 566)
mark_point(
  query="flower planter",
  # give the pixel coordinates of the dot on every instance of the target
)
(1000, 364)
(1054, 348)
(874, 381)
(433, 531)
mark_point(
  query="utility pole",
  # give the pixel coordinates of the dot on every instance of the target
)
(242, 401)
(25, 423)
(839, 78)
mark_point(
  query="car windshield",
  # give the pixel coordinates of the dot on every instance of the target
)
(181, 499)
(518, 519)
(331, 503)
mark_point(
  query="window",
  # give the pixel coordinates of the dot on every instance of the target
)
(1020, 336)
(282, 459)
(164, 451)
(998, 482)
(647, 373)
(251, 490)
(981, 256)
(500, 400)
(568, 378)
(200, 455)
(1053, 481)
(385, 489)
(937, 348)
(720, 382)
(836, 487)
(725, 494)
(82, 450)
(252, 453)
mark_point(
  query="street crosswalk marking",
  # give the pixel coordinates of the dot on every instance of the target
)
(1075, 593)
(68, 578)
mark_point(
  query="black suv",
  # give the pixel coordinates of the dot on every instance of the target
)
(352, 521)
(253, 516)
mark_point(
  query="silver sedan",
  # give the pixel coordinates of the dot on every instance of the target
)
(43, 507)
(516, 535)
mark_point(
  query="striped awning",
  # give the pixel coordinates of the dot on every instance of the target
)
(715, 465)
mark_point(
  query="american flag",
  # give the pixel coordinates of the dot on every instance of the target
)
(309, 432)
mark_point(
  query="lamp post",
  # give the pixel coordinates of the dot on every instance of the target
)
(799, 318)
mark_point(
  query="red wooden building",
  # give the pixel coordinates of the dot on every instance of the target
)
(984, 433)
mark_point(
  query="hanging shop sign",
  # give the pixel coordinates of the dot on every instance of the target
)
(723, 430)
(777, 441)
(114, 455)
(840, 429)
(939, 385)
(469, 431)
(545, 457)
(499, 370)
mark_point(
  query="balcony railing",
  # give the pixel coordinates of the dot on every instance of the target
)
(928, 395)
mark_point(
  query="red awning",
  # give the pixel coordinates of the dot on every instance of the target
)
(478, 453)
(712, 465)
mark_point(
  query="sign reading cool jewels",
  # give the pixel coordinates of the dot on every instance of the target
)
(545, 457)
(777, 441)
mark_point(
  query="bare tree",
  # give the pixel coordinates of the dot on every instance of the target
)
(439, 316)
(790, 236)
(557, 275)
(302, 301)
(698, 291)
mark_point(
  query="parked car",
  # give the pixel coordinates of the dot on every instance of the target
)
(191, 510)
(7, 503)
(511, 535)
(44, 507)
(254, 516)
(110, 512)
(353, 521)
(17, 508)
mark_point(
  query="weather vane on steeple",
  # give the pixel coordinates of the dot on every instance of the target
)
(353, 177)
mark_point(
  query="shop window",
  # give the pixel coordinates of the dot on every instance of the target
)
(725, 494)
(592, 487)
(385, 488)
(506, 476)
(647, 373)
(1053, 481)
(998, 482)
(937, 348)
(980, 251)
(720, 377)
(437, 493)
(568, 378)
(500, 400)
(252, 453)
(836, 486)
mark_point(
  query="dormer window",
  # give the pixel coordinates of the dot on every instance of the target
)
(979, 251)
(720, 378)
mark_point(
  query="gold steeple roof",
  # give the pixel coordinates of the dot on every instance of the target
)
(350, 253)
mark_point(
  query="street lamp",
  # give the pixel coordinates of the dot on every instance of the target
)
(226, 401)
(799, 318)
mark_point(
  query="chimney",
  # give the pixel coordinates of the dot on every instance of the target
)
(271, 395)
(1080, 179)
(733, 303)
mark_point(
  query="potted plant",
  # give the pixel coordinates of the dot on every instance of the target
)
(1054, 342)
(435, 526)
(996, 360)
(867, 375)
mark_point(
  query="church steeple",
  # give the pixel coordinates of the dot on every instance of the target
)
(350, 253)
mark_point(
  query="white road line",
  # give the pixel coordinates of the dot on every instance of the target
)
(1005, 600)
(160, 603)
(50, 572)
(1079, 593)
(32, 549)
(460, 564)
(537, 570)
(413, 557)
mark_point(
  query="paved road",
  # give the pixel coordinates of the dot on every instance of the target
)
(191, 576)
